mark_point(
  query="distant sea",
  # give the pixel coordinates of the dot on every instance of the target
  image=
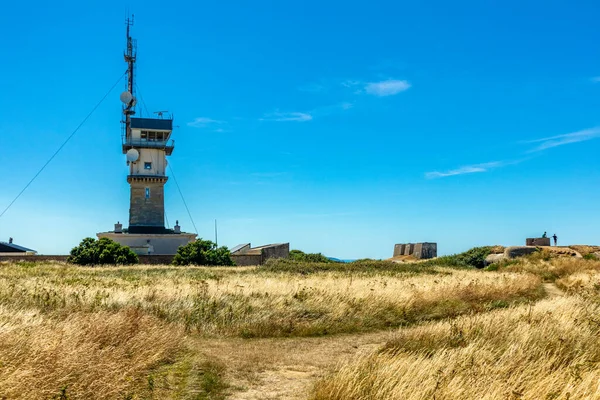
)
(340, 260)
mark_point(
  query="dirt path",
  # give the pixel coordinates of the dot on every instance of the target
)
(269, 369)
(286, 368)
(552, 291)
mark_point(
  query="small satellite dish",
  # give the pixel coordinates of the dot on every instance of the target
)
(132, 155)
(126, 97)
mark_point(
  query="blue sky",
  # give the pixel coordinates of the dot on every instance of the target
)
(341, 127)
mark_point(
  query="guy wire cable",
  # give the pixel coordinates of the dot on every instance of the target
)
(63, 145)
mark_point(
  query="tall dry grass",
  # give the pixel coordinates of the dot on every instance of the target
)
(84, 356)
(549, 267)
(548, 351)
(213, 302)
(584, 282)
(79, 333)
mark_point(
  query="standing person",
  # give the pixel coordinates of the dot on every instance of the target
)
(555, 239)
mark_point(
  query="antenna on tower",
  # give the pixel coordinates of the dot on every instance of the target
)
(160, 113)
(128, 96)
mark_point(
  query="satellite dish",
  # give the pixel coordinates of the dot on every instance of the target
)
(126, 97)
(132, 155)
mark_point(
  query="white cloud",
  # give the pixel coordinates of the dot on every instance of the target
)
(203, 122)
(467, 169)
(568, 138)
(387, 88)
(286, 117)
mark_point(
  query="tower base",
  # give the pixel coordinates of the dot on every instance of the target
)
(148, 243)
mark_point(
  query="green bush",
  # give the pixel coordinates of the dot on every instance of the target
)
(103, 251)
(474, 257)
(202, 252)
(366, 266)
(298, 255)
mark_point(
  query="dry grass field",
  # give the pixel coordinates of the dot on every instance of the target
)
(281, 331)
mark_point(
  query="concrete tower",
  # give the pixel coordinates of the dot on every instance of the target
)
(146, 143)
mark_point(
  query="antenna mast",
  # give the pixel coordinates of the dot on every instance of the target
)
(130, 56)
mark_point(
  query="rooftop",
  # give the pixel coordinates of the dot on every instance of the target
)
(13, 248)
(152, 123)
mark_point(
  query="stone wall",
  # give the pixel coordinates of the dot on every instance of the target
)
(419, 251)
(156, 259)
(33, 258)
(143, 211)
(147, 259)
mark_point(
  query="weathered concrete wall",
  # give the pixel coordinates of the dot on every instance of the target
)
(519, 251)
(399, 250)
(276, 251)
(419, 251)
(161, 243)
(245, 260)
(537, 242)
(425, 250)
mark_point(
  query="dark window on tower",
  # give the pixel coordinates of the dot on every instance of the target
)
(147, 165)
(147, 193)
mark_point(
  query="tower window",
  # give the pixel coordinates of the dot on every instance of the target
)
(147, 193)
(147, 165)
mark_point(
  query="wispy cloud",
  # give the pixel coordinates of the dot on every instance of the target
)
(309, 115)
(331, 109)
(287, 116)
(470, 169)
(203, 122)
(595, 79)
(568, 138)
(389, 87)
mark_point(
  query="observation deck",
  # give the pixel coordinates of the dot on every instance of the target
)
(166, 145)
(149, 133)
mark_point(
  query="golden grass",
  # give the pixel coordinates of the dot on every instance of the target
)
(548, 351)
(587, 282)
(234, 303)
(84, 356)
(549, 268)
(141, 332)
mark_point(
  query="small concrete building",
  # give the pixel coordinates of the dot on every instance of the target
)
(537, 241)
(244, 254)
(419, 251)
(13, 249)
